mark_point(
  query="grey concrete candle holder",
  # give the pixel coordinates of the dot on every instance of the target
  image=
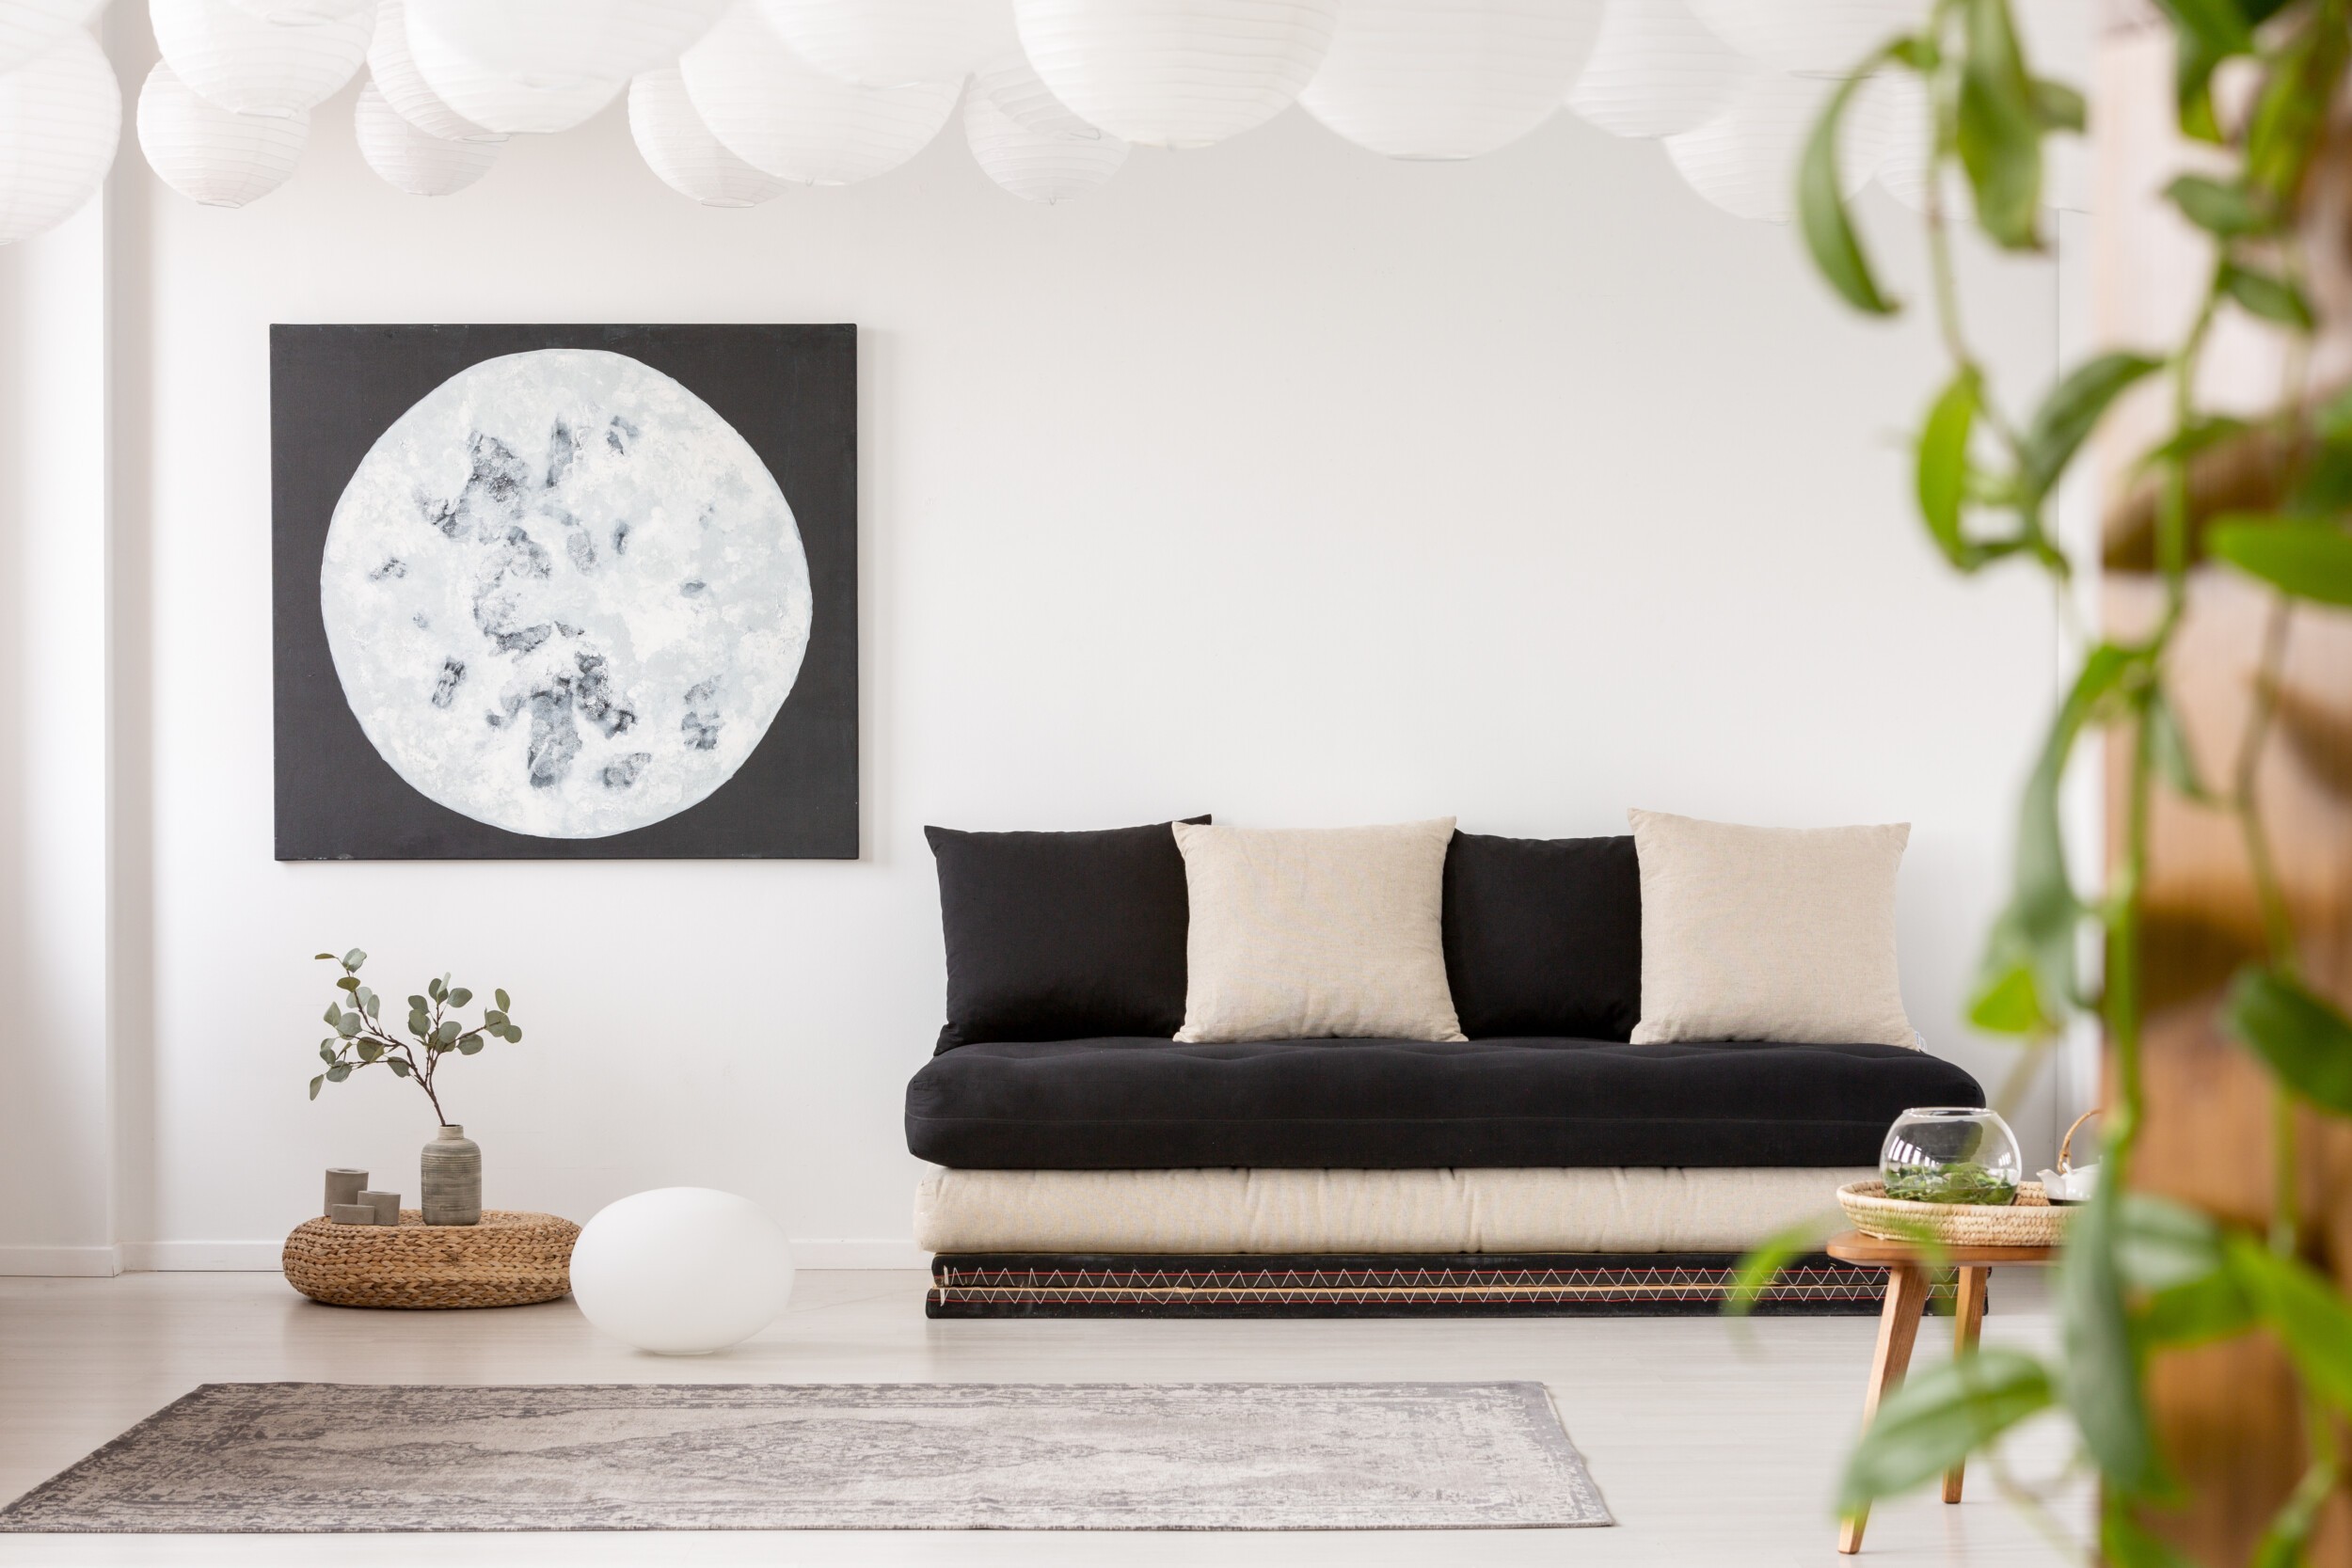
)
(353, 1214)
(343, 1186)
(386, 1206)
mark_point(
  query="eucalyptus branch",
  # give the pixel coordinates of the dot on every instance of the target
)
(418, 1058)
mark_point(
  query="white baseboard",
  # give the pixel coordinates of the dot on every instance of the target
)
(262, 1257)
(78, 1263)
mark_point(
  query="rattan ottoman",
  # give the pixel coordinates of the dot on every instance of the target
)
(511, 1258)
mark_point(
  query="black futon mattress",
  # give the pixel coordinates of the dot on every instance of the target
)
(1111, 1104)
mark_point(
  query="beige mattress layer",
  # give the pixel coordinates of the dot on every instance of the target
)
(1624, 1208)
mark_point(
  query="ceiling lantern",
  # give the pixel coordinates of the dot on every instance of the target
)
(1448, 78)
(498, 103)
(409, 159)
(1038, 166)
(294, 12)
(396, 76)
(236, 61)
(1744, 160)
(1009, 79)
(1811, 37)
(682, 152)
(1656, 70)
(32, 27)
(1176, 72)
(207, 153)
(890, 44)
(60, 116)
(565, 45)
(783, 116)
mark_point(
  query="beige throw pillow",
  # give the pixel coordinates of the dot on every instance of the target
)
(1769, 933)
(1317, 933)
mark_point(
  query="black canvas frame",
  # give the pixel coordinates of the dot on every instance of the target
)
(790, 391)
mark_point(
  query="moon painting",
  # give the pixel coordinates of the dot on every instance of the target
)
(567, 605)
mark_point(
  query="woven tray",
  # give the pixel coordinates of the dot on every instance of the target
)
(2033, 1220)
(510, 1260)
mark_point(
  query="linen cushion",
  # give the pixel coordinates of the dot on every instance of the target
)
(1303, 933)
(1769, 933)
(1543, 936)
(1061, 936)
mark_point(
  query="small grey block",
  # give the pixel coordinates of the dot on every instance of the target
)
(386, 1206)
(353, 1214)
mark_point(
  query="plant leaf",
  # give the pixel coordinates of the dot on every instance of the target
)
(340, 1071)
(2310, 561)
(514, 1036)
(400, 1069)
(2225, 210)
(445, 1034)
(459, 997)
(347, 1026)
(322, 1077)
(2125, 1544)
(370, 1051)
(1943, 477)
(2195, 1313)
(471, 1045)
(2301, 1306)
(2274, 299)
(2160, 1244)
(1821, 214)
(2099, 1369)
(347, 983)
(328, 957)
(500, 997)
(2060, 107)
(1936, 1419)
(2000, 129)
(2175, 764)
(2304, 1039)
(334, 1014)
(2072, 408)
(354, 959)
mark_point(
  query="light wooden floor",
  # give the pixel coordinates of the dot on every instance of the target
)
(1713, 1446)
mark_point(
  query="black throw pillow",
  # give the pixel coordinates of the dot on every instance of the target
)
(1543, 936)
(1062, 935)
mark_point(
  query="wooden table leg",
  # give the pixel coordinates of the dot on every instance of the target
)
(1968, 1321)
(1899, 1328)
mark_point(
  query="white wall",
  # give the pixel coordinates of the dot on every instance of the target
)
(1277, 481)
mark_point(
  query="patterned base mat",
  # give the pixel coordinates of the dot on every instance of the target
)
(1057, 1285)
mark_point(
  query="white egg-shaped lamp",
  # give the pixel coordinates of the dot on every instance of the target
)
(492, 100)
(60, 116)
(1656, 70)
(565, 45)
(889, 44)
(1009, 79)
(234, 60)
(1744, 160)
(682, 152)
(393, 69)
(31, 27)
(1811, 37)
(1176, 72)
(1038, 166)
(297, 11)
(410, 160)
(682, 1271)
(783, 116)
(210, 155)
(1448, 78)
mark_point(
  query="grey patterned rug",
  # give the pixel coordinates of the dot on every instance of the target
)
(278, 1457)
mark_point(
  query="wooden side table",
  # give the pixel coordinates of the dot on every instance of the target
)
(1898, 1323)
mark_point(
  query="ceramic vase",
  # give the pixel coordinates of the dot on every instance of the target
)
(450, 1173)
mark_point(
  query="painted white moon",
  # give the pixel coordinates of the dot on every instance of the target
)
(565, 596)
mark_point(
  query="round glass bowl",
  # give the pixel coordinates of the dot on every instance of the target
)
(1951, 1154)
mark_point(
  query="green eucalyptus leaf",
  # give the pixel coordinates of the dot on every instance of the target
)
(416, 1004)
(370, 1051)
(2309, 561)
(1936, 1419)
(354, 959)
(1943, 467)
(419, 1026)
(459, 997)
(2273, 299)
(334, 1014)
(340, 1071)
(368, 1001)
(328, 957)
(347, 983)
(2072, 410)
(327, 1051)
(514, 1036)
(1821, 214)
(2301, 1306)
(491, 1015)
(2100, 1371)
(2000, 128)
(500, 997)
(347, 1026)
(2306, 1042)
(2225, 210)
(322, 1077)
(446, 1032)
(400, 1069)
(469, 1046)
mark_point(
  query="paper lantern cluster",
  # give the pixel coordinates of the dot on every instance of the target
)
(733, 101)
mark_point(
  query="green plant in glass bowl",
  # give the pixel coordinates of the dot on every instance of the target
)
(1951, 1154)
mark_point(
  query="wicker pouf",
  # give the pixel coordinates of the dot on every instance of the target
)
(510, 1260)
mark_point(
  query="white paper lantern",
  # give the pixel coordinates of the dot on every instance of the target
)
(889, 44)
(682, 152)
(495, 102)
(210, 155)
(1654, 70)
(236, 61)
(32, 27)
(297, 11)
(1039, 165)
(396, 76)
(682, 1271)
(783, 116)
(1448, 78)
(1811, 37)
(409, 159)
(1176, 72)
(60, 116)
(1017, 89)
(565, 45)
(1744, 160)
